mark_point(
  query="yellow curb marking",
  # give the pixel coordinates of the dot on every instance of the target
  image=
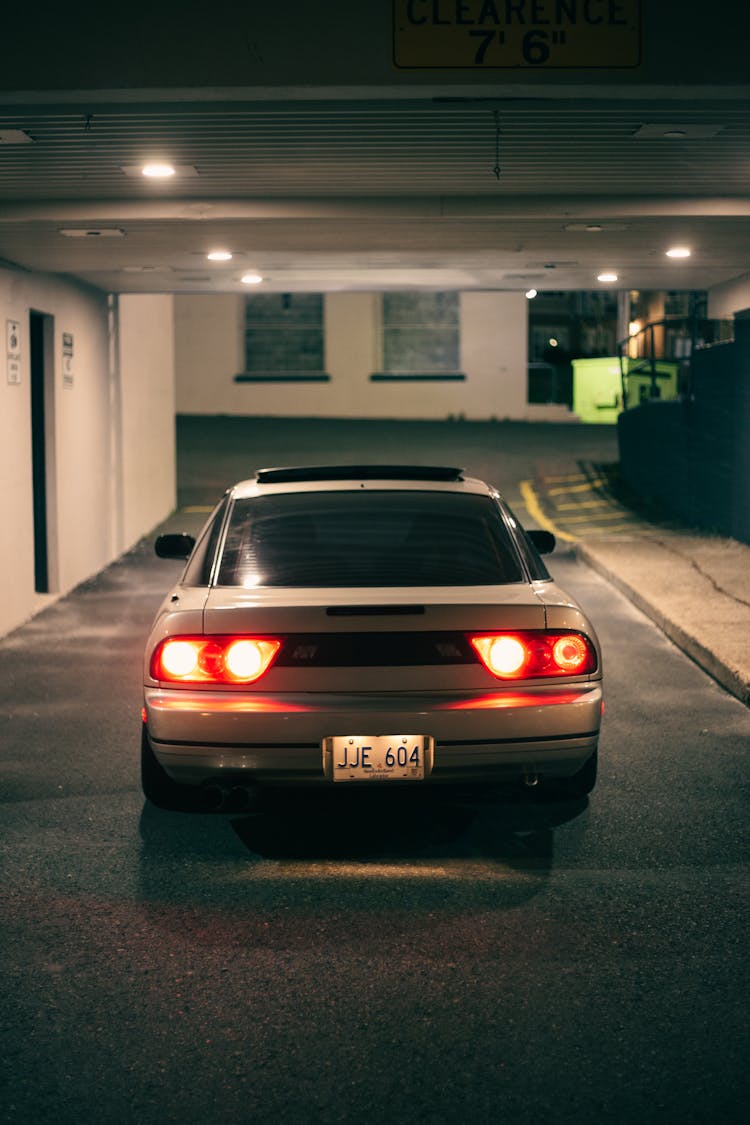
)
(588, 487)
(595, 516)
(582, 504)
(533, 507)
(192, 508)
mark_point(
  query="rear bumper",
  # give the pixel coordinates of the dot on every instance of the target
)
(277, 740)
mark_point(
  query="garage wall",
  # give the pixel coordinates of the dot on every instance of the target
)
(147, 408)
(104, 432)
(730, 298)
(209, 352)
(81, 439)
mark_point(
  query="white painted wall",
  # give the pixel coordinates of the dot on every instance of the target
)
(147, 398)
(209, 352)
(731, 297)
(114, 442)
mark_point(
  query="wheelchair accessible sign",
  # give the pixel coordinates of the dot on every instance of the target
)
(516, 34)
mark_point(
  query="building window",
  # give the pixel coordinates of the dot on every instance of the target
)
(420, 336)
(284, 338)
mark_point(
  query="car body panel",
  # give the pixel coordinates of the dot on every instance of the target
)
(274, 731)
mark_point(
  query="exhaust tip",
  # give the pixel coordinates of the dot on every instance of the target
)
(218, 797)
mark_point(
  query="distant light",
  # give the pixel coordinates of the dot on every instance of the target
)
(592, 227)
(678, 252)
(158, 171)
(530, 294)
(219, 256)
(634, 327)
(251, 279)
(552, 342)
(607, 277)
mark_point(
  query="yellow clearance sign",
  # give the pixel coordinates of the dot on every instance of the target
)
(514, 34)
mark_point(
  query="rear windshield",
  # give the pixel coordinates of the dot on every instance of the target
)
(368, 538)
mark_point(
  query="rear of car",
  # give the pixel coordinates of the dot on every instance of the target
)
(366, 626)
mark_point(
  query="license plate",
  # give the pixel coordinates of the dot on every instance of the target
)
(383, 757)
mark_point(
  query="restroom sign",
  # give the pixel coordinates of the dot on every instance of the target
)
(13, 350)
(516, 34)
(67, 359)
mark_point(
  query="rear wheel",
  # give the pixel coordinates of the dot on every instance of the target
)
(158, 787)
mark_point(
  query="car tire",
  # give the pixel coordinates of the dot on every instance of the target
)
(577, 785)
(158, 787)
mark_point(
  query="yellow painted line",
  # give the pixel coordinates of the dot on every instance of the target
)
(582, 504)
(621, 527)
(558, 480)
(595, 516)
(575, 488)
(192, 508)
(533, 507)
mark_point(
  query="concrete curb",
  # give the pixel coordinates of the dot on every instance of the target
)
(734, 680)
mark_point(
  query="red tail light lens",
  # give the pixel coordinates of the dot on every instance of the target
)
(213, 660)
(524, 655)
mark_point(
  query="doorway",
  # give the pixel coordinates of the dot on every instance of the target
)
(43, 460)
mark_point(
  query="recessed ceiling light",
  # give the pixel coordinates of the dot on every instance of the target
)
(251, 279)
(678, 252)
(158, 171)
(595, 228)
(146, 269)
(15, 137)
(219, 256)
(606, 277)
(530, 294)
(92, 232)
(683, 130)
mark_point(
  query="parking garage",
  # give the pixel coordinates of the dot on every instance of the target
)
(342, 259)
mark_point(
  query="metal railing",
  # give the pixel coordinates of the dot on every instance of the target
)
(662, 351)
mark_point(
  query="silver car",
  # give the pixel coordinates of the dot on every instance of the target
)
(365, 626)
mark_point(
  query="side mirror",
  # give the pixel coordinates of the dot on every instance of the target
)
(544, 541)
(176, 545)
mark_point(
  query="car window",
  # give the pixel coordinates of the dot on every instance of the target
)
(368, 538)
(534, 562)
(198, 570)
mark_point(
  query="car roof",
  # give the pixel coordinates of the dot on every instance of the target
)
(387, 477)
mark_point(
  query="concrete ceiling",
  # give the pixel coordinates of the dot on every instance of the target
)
(340, 192)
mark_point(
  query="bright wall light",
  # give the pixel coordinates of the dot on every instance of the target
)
(530, 294)
(678, 252)
(219, 256)
(158, 171)
(607, 277)
(251, 279)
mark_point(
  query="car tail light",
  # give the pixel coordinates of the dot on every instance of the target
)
(527, 654)
(213, 660)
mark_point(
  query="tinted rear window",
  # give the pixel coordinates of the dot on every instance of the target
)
(365, 538)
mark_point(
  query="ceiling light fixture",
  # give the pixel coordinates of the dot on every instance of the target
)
(678, 252)
(220, 256)
(158, 171)
(251, 279)
(15, 137)
(92, 232)
(607, 276)
(530, 294)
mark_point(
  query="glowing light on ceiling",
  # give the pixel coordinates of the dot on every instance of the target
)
(158, 171)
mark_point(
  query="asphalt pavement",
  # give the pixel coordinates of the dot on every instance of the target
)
(390, 961)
